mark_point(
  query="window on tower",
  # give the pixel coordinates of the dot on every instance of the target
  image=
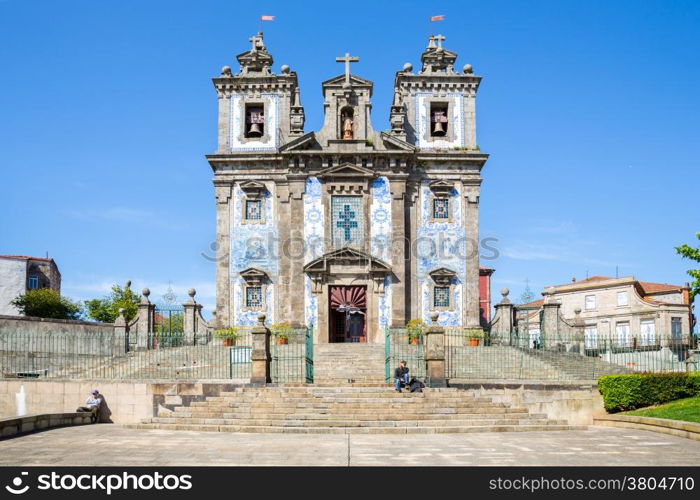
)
(441, 296)
(254, 120)
(441, 208)
(253, 210)
(253, 297)
(438, 119)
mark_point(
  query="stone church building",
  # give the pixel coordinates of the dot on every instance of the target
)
(347, 229)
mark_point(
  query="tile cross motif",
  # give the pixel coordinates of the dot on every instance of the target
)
(346, 223)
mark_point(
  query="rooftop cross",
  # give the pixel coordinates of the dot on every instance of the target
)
(439, 39)
(347, 60)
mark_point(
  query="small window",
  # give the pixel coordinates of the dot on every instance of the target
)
(438, 119)
(590, 337)
(676, 327)
(253, 209)
(254, 120)
(441, 296)
(253, 296)
(647, 333)
(590, 302)
(621, 298)
(441, 208)
(622, 333)
(33, 283)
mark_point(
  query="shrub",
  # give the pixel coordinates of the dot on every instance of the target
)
(629, 392)
(46, 303)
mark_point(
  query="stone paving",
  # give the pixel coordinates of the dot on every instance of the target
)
(115, 445)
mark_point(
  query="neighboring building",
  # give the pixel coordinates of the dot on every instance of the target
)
(627, 311)
(485, 294)
(312, 226)
(19, 273)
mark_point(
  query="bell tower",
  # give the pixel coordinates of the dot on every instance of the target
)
(258, 109)
(436, 107)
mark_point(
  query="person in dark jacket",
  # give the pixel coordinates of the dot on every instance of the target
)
(401, 375)
(415, 385)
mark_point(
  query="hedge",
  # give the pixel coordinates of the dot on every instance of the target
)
(629, 392)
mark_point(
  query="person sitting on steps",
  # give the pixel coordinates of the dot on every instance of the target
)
(401, 375)
(92, 405)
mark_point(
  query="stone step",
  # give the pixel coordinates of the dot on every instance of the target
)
(209, 412)
(358, 430)
(293, 422)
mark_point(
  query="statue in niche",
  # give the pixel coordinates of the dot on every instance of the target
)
(346, 120)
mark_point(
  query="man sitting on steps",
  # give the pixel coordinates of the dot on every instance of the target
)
(401, 375)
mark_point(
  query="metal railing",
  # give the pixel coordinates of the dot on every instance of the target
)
(559, 356)
(401, 346)
(293, 360)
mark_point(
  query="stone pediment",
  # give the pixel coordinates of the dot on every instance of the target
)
(442, 275)
(369, 266)
(253, 189)
(306, 141)
(347, 171)
(441, 187)
(253, 276)
(339, 80)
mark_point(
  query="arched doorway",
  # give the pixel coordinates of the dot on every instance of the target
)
(348, 311)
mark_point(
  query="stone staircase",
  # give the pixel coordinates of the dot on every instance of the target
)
(348, 409)
(349, 364)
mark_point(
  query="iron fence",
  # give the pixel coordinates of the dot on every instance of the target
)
(400, 345)
(293, 359)
(558, 356)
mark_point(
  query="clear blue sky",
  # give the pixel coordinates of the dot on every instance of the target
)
(590, 110)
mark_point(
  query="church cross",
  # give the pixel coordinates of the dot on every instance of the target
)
(347, 60)
(439, 39)
(346, 223)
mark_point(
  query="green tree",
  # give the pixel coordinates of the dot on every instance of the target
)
(688, 252)
(47, 303)
(107, 308)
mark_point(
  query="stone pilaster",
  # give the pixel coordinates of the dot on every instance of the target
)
(471, 221)
(121, 333)
(400, 302)
(224, 145)
(550, 319)
(435, 354)
(502, 329)
(296, 251)
(223, 258)
(145, 324)
(283, 308)
(260, 355)
(191, 312)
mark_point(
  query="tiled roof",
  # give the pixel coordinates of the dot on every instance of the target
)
(591, 279)
(534, 303)
(658, 287)
(24, 257)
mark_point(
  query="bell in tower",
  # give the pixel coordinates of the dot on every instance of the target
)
(255, 121)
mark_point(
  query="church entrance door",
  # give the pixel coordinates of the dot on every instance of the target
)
(348, 310)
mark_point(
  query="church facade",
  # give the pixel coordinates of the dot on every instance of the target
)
(347, 229)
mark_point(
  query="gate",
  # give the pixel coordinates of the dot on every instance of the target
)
(399, 345)
(169, 327)
(293, 361)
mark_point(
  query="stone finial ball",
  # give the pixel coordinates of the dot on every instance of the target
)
(468, 69)
(408, 67)
(121, 311)
(549, 290)
(505, 292)
(285, 68)
(192, 292)
(146, 292)
(127, 284)
(577, 310)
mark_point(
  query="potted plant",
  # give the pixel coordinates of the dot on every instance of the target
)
(415, 329)
(281, 332)
(474, 336)
(228, 336)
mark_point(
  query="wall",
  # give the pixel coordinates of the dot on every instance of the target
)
(576, 403)
(129, 402)
(13, 281)
(27, 324)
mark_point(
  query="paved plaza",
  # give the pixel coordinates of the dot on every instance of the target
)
(122, 446)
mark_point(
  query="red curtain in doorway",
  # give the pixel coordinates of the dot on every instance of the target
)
(349, 296)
